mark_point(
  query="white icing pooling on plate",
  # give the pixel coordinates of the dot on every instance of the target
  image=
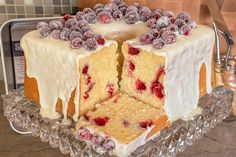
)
(183, 62)
(56, 76)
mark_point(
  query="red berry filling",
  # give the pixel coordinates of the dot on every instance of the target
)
(133, 51)
(86, 117)
(85, 69)
(126, 123)
(90, 87)
(140, 85)
(110, 89)
(145, 124)
(131, 66)
(101, 121)
(157, 89)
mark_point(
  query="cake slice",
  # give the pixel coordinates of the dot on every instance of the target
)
(60, 78)
(172, 77)
(121, 124)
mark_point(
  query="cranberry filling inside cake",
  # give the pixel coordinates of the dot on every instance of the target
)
(121, 72)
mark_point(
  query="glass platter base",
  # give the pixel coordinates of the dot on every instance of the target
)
(25, 114)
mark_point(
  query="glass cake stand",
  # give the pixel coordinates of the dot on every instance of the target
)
(216, 107)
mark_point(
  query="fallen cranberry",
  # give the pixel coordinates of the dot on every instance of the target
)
(101, 121)
(145, 124)
(84, 134)
(97, 140)
(140, 85)
(157, 89)
(133, 51)
(109, 144)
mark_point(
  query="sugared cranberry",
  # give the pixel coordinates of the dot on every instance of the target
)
(67, 17)
(90, 44)
(85, 29)
(157, 14)
(84, 134)
(91, 17)
(131, 17)
(169, 37)
(133, 51)
(76, 28)
(179, 23)
(121, 5)
(104, 17)
(117, 15)
(131, 66)
(117, 2)
(146, 38)
(163, 21)
(98, 10)
(158, 43)
(168, 14)
(101, 121)
(185, 30)
(44, 31)
(42, 24)
(55, 24)
(172, 19)
(89, 34)
(125, 123)
(151, 23)
(100, 40)
(109, 144)
(55, 34)
(65, 34)
(140, 85)
(75, 34)
(85, 69)
(157, 89)
(70, 23)
(123, 10)
(162, 30)
(79, 15)
(192, 24)
(82, 23)
(76, 43)
(184, 16)
(144, 13)
(132, 8)
(155, 33)
(110, 89)
(87, 10)
(97, 140)
(172, 28)
(110, 7)
(145, 124)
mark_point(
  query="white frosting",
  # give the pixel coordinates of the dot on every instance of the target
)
(55, 66)
(183, 60)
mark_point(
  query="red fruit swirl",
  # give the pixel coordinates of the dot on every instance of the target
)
(101, 121)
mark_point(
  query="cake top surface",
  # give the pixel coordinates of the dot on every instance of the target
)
(161, 27)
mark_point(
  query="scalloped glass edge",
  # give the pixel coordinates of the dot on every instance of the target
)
(24, 113)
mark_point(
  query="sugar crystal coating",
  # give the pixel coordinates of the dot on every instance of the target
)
(131, 8)
(82, 23)
(163, 21)
(109, 144)
(146, 38)
(172, 27)
(41, 24)
(158, 43)
(179, 22)
(156, 14)
(76, 43)
(56, 24)
(44, 31)
(90, 44)
(87, 10)
(76, 28)
(104, 17)
(55, 34)
(65, 34)
(75, 34)
(70, 23)
(97, 140)
(151, 23)
(183, 16)
(91, 17)
(131, 17)
(117, 15)
(144, 13)
(169, 37)
(89, 34)
(79, 15)
(110, 7)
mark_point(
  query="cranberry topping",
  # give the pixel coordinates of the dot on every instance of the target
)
(109, 144)
(101, 121)
(145, 124)
(133, 51)
(157, 89)
(140, 85)
(84, 134)
(97, 140)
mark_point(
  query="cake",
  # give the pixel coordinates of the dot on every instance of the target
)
(123, 73)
